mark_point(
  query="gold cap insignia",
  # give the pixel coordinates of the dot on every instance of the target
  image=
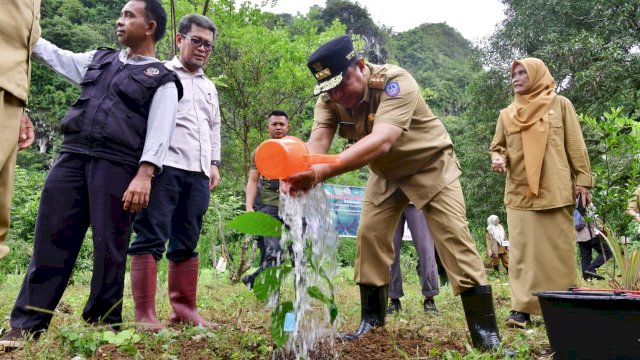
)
(350, 55)
(317, 66)
(323, 74)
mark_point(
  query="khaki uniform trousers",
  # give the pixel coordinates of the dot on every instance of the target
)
(11, 109)
(542, 254)
(446, 216)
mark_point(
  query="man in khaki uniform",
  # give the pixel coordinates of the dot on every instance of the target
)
(19, 31)
(411, 158)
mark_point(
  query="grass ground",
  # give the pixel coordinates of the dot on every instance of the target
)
(245, 332)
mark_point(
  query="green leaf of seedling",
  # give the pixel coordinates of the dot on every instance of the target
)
(333, 312)
(317, 294)
(269, 281)
(256, 223)
(278, 334)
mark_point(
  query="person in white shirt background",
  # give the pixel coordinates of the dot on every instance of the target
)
(180, 194)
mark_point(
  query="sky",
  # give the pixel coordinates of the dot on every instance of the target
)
(474, 19)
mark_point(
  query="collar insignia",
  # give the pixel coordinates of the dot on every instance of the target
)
(376, 81)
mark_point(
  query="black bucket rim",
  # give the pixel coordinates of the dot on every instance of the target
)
(586, 295)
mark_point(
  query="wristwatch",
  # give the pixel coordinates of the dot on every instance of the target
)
(216, 163)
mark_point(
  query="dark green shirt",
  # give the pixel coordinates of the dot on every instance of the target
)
(269, 190)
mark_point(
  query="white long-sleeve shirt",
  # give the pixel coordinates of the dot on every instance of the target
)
(196, 139)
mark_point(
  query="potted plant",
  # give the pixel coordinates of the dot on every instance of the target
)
(603, 323)
(597, 323)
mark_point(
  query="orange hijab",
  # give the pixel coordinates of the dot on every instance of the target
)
(529, 114)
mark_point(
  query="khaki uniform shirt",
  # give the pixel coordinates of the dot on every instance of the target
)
(19, 31)
(565, 165)
(196, 138)
(422, 161)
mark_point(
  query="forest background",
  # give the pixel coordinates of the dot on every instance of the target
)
(592, 48)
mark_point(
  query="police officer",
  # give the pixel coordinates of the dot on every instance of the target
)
(411, 158)
(115, 139)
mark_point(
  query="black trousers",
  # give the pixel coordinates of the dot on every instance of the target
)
(79, 191)
(177, 204)
(586, 258)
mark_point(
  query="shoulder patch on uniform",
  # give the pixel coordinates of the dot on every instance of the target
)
(392, 88)
(376, 81)
(152, 71)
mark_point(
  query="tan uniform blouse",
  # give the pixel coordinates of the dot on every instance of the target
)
(19, 31)
(496, 248)
(422, 161)
(565, 165)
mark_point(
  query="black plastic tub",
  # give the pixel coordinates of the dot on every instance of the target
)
(591, 325)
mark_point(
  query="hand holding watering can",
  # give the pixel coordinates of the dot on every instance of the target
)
(281, 158)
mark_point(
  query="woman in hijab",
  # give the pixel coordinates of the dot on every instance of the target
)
(497, 243)
(539, 143)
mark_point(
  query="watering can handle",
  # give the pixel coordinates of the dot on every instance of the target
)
(321, 159)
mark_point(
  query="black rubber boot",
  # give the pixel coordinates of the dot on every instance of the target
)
(394, 306)
(481, 318)
(373, 304)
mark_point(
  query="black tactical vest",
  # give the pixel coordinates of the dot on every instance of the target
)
(109, 119)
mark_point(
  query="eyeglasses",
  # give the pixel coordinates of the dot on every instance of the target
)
(197, 42)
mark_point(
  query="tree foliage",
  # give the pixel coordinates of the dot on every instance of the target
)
(358, 22)
(258, 69)
(441, 60)
(590, 46)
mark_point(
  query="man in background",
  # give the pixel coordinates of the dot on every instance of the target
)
(262, 194)
(181, 193)
(426, 268)
(19, 32)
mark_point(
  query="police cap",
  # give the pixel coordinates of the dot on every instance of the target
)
(330, 62)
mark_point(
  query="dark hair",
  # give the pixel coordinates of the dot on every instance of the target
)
(154, 11)
(197, 20)
(278, 113)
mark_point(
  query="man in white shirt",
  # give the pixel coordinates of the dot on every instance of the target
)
(180, 195)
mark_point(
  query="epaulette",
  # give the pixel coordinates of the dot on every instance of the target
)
(377, 81)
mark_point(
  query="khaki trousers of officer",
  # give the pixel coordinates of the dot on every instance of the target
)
(542, 254)
(446, 216)
(11, 109)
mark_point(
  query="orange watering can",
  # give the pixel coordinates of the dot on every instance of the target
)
(280, 158)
